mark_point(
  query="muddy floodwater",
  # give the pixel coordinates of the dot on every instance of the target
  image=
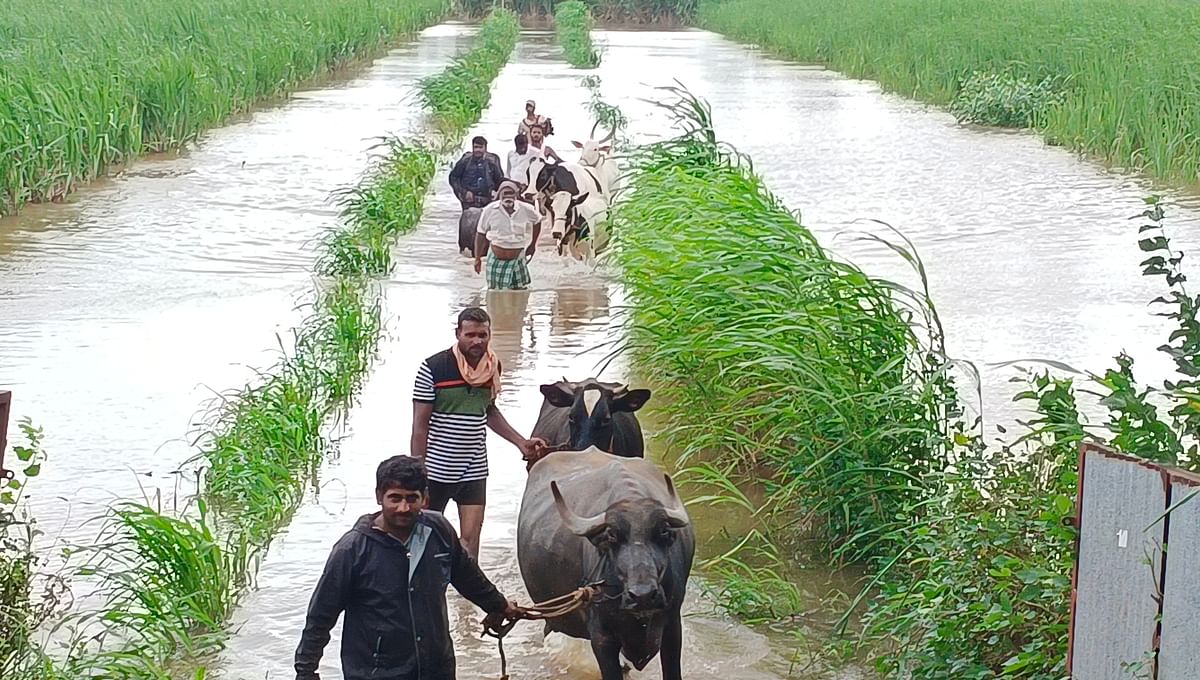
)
(125, 310)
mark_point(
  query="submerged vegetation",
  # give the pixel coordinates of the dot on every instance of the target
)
(785, 370)
(1084, 72)
(642, 11)
(171, 579)
(573, 25)
(458, 95)
(77, 96)
(772, 353)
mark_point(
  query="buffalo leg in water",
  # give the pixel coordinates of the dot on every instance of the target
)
(608, 657)
(672, 647)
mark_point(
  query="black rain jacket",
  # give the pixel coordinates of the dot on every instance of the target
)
(394, 629)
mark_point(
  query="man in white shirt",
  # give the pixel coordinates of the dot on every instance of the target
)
(518, 161)
(512, 229)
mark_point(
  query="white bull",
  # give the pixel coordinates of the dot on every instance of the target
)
(570, 215)
(597, 155)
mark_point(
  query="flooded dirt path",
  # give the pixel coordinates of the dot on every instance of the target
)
(124, 311)
(554, 329)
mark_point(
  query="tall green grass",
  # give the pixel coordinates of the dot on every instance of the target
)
(777, 359)
(573, 25)
(84, 84)
(171, 579)
(643, 11)
(1124, 73)
(458, 95)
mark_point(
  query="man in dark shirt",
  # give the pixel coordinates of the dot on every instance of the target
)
(389, 575)
(476, 176)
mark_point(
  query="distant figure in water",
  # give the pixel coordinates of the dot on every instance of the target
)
(532, 118)
(389, 575)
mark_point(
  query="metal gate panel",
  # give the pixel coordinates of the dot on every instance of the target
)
(1118, 564)
(1179, 650)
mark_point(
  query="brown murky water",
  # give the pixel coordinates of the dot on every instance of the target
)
(122, 311)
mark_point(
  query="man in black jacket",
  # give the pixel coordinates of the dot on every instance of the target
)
(476, 176)
(389, 574)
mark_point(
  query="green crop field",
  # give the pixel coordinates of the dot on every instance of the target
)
(1119, 80)
(88, 83)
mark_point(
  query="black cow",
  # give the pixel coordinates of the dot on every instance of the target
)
(590, 516)
(467, 223)
(592, 413)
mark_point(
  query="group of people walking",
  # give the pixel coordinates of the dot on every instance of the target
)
(509, 226)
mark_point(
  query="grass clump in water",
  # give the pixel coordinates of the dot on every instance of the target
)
(573, 25)
(148, 75)
(459, 94)
(1130, 94)
(637, 11)
(776, 359)
(386, 205)
(1004, 100)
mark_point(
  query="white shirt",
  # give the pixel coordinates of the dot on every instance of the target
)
(518, 164)
(508, 231)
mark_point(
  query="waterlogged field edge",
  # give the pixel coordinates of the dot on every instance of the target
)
(1088, 74)
(573, 26)
(77, 96)
(171, 580)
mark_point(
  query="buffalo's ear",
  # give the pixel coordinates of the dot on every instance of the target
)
(557, 395)
(577, 144)
(606, 148)
(631, 400)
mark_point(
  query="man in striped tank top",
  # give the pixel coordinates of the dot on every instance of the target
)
(454, 402)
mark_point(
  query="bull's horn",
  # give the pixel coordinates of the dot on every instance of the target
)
(586, 527)
(592, 134)
(676, 516)
(611, 133)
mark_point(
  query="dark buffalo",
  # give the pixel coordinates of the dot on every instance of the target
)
(467, 223)
(592, 413)
(590, 516)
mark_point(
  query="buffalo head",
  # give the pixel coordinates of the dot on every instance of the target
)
(592, 406)
(635, 539)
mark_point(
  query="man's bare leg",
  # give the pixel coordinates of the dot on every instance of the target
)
(471, 519)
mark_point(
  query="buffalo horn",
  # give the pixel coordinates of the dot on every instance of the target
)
(676, 517)
(580, 526)
(595, 125)
(611, 133)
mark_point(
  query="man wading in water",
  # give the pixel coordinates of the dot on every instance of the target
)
(454, 402)
(476, 175)
(389, 575)
(512, 227)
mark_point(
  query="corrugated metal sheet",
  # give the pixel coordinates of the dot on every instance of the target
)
(1118, 563)
(1179, 652)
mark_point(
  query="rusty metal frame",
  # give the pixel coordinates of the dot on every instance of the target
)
(5, 409)
(1170, 476)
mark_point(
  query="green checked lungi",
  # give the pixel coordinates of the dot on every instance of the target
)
(507, 274)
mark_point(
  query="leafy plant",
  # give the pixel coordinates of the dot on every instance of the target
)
(573, 25)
